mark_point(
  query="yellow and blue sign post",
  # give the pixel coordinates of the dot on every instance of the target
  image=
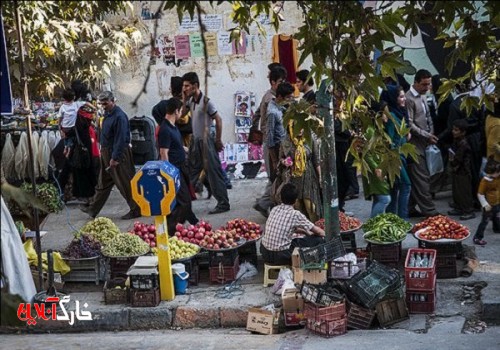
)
(154, 188)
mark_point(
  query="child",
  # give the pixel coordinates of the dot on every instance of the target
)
(489, 197)
(461, 165)
(67, 118)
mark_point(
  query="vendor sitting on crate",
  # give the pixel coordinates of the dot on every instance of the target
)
(287, 228)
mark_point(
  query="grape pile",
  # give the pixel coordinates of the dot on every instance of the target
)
(84, 247)
(102, 229)
(125, 244)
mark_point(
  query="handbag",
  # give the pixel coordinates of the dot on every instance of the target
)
(434, 160)
(80, 158)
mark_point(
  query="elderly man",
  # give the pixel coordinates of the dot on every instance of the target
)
(117, 166)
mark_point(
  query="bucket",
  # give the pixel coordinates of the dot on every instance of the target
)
(180, 278)
(178, 268)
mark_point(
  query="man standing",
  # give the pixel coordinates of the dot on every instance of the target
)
(306, 86)
(173, 151)
(277, 74)
(422, 132)
(117, 167)
(203, 151)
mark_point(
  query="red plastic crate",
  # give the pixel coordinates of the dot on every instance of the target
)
(385, 253)
(425, 306)
(327, 328)
(324, 313)
(222, 274)
(421, 278)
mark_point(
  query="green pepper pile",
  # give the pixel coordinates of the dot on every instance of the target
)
(386, 228)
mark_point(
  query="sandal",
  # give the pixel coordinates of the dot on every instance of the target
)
(479, 241)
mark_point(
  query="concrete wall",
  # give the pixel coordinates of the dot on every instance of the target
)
(228, 74)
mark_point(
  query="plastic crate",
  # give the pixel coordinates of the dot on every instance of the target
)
(120, 265)
(385, 253)
(349, 241)
(226, 258)
(421, 278)
(391, 311)
(320, 295)
(345, 269)
(446, 266)
(420, 302)
(370, 286)
(359, 318)
(327, 328)
(444, 248)
(325, 313)
(222, 274)
(317, 257)
(83, 270)
(145, 298)
(144, 282)
(112, 295)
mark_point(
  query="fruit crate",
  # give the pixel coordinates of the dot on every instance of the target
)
(222, 274)
(320, 295)
(315, 258)
(385, 253)
(226, 258)
(324, 313)
(248, 252)
(345, 269)
(360, 318)
(145, 298)
(143, 278)
(446, 266)
(420, 278)
(327, 329)
(391, 311)
(83, 270)
(120, 265)
(349, 241)
(420, 302)
(449, 248)
(112, 295)
(370, 286)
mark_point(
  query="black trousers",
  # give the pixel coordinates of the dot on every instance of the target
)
(284, 257)
(183, 210)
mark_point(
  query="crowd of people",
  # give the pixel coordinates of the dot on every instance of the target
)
(189, 136)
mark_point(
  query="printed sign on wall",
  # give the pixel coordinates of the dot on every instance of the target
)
(182, 46)
(196, 45)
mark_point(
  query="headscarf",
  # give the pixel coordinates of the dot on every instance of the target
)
(159, 111)
(86, 112)
(390, 96)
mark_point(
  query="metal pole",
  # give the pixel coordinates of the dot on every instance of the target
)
(329, 164)
(27, 113)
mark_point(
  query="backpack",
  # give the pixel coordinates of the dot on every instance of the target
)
(144, 146)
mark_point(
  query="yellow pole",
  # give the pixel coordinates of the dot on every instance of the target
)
(164, 261)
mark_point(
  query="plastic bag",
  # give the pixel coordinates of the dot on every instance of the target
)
(247, 270)
(284, 281)
(434, 160)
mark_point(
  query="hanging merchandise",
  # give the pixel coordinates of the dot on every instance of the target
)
(21, 157)
(43, 157)
(34, 148)
(8, 154)
(51, 138)
(285, 52)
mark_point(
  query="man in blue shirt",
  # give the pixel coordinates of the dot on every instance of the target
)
(173, 151)
(117, 167)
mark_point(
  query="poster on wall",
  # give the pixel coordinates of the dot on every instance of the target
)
(241, 152)
(196, 45)
(242, 137)
(239, 46)
(255, 152)
(166, 48)
(242, 104)
(243, 124)
(211, 42)
(146, 10)
(224, 44)
(229, 153)
(182, 46)
(188, 24)
(213, 23)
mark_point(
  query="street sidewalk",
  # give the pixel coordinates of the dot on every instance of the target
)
(202, 308)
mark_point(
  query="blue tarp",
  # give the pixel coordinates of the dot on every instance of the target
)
(5, 89)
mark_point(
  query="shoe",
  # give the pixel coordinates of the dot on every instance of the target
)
(415, 214)
(480, 241)
(86, 209)
(455, 212)
(131, 215)
(218, 210)
(229, 187)
(261, 210)
(468, 216)
(431, 213)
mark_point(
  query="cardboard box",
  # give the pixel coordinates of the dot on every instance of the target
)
(296, 258)
(293, 307)
(309, 276)
(263, 321)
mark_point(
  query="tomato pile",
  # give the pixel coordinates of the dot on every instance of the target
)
(440, 226)
(347, 223)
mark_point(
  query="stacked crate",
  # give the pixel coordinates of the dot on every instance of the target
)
(448, 255)
(144, 283)
(387, 254)
(421, 282)
(83, 270)
(223, 266)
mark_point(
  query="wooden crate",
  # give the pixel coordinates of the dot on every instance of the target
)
(112, 295)
(359, 318)
(145, 298)
(391, 311)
